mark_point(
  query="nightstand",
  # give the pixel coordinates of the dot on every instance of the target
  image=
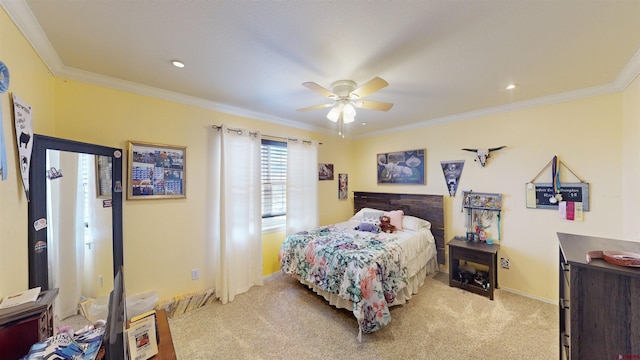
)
(477, 253)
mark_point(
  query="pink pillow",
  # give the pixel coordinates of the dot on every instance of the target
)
(396, 218)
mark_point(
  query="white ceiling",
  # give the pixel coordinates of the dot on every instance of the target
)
(444, 60)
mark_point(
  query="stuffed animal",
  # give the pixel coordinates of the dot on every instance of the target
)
(385, 225)
(370, 227)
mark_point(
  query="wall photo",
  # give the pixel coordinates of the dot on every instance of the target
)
(401, 167)
(343, 186)
(325, 171)
(156, 171)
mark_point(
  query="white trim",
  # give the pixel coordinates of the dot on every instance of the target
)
(517, 292)
(629, 73)
(526, 104)
(26, 22)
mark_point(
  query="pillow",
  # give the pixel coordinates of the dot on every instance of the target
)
(372, 217)
(396, 218)
(414, 223)
(358, 216)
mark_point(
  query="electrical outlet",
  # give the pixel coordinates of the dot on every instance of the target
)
(100, 280)
(195, 274)
(504, 262)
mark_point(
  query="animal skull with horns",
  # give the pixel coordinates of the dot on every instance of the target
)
(484, 154)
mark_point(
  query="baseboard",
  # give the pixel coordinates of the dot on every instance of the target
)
(518, 292)
(521, 293)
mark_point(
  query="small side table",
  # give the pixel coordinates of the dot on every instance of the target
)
(19, 329)
(474, 252)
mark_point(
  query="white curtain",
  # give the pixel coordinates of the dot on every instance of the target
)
(302, 185)
(65, 208)
(235, 211)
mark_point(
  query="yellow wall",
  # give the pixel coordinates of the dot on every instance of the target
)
(631, 160)
(164, 239)
(29, 80)
(585, 134)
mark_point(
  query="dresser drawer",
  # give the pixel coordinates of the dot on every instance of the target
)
(471, 255)
(566, 312)
(565, 349)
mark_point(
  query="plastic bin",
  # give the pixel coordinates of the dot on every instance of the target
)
(98, 309)
(141, 303)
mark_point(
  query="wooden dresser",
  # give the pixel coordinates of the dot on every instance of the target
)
(599, 302)
(23, 328)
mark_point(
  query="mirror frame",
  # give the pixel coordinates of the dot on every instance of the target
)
(38, 256)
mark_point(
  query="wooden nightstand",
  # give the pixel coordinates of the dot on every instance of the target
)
(473, 252)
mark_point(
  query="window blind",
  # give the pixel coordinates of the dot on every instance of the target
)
(274, 179)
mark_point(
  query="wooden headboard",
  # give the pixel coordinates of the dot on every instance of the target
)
(428, 207)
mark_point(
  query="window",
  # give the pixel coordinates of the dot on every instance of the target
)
(274, 185)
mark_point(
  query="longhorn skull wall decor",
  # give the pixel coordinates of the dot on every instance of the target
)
(484, 154)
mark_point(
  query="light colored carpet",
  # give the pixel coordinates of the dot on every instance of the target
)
(285, 320)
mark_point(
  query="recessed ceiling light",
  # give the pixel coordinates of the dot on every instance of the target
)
(511, 86)
(177, 63)
(363, 123)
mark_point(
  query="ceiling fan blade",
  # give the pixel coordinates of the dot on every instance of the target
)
(373, 105)
(372, 86)
(316, 107)
(319, 89)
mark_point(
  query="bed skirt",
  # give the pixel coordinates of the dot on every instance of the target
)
(405, 294)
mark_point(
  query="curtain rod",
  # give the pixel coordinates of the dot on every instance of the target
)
(251, 133)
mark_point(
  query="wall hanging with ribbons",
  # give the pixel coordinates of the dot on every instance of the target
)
(4, 86)
(550, 195)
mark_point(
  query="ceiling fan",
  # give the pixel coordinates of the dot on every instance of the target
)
(347, 96)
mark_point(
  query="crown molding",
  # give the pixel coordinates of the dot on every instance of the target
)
(136, 88)
(526, 104)
(629, 73)
(23, 18)
(26, 22)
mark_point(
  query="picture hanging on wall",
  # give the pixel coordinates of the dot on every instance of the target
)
(401, 167)
(343, 186)
(103, 176)
(452, 171)
(325, 171)
(156, 171)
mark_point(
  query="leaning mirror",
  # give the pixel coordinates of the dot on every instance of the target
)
(75, 219)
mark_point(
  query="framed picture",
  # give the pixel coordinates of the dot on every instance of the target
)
(325, 171)
(343, 186)
(156, 171)
(401, 167)
(103, 176)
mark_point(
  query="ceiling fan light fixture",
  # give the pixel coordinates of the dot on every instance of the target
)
(348, 113)
(334, 113)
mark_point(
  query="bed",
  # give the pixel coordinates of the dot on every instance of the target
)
(368, 272)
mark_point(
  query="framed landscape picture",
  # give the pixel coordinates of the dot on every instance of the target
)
(156, 171)
(401, 167)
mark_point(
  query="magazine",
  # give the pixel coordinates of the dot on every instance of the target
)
(20, 300)
(62, 346)
(141, 338)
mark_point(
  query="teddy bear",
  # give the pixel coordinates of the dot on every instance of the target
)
(385, 225)
(369, 227)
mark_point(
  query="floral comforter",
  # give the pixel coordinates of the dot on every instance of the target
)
(365, 268)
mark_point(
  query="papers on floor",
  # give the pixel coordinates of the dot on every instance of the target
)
(62, 346)
(20, 300)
